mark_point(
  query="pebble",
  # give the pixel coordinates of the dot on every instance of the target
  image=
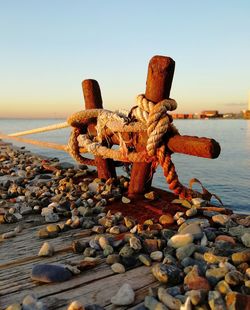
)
(135, 243)
(152, 303)
(151, 196)
(191, 212)
(168, 300)
(50, 273)
(214, 275)
(194, 281)
(112, 259)
(118, 268)
(166, 219)
(145, 259)
(115, 230)
(245, 238)
(234, 278)
(46, 250)
(125, 199)
(216, 301)
(180, 240)
(223, 287)
(193, 228)
(235, 301)
(52, 218)
(221, 219)
(198, 202)
(75, 305)
(241, 257)
(124, 297)
(187, 305)
(167, 273)
(185, 251)
(14, 307)
(156, 256)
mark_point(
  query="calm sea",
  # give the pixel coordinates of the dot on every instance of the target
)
(227, 176)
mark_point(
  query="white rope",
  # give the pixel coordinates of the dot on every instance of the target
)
(41, 129)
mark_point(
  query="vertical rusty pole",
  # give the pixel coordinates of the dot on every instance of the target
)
(93, 100)
(159, 81)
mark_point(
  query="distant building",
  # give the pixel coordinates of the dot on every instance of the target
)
(210, 114)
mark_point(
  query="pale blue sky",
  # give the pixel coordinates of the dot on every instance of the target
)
(48, 47)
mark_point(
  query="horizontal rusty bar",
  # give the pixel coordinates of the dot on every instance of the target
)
(189, 145)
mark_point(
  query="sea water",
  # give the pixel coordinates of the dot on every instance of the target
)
(228, 176)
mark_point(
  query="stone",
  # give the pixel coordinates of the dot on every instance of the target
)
(226, 238)
(46, 250)
(196, 296)
(145, 259)
(98, 229)
(129, 222)
(234, 278)
(151, 195)
(52, 218)
(223, 287)
(185, 251)
(214, 259)
(75, 305)
(221, 219)
(168, 300)
(193, 229)
(124, 297)
(150, 245)
(216, 301)
(29, 302)
(156, 256)
(152, 303)
(191, 212)
(214, 275)
(167, 233)
(238, 231)
(14, 307)
(49, 273)
(89, 252)
(194, 281)
(187, 304)
(118, 268)
(199, 202)
(112, 259)
(235, 301)
(246, 239)
(167, 273)
(180, 240)
(103, 242)
(135, 243)
(166, 219)
(126, 251)
(94, 307)
(241, 257)
(115, 230)
(125, 200)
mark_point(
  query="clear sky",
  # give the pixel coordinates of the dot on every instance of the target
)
(48, 47)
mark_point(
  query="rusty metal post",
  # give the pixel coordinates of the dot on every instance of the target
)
(93, 100)
(159, 81)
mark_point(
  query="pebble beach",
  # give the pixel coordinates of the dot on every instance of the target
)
(195, 255)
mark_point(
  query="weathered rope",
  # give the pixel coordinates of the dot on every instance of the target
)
(150, 117)
(39, 130)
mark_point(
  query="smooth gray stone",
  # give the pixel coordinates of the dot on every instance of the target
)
(50, 273)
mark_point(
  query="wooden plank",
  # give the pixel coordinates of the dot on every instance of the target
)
(100, 292)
